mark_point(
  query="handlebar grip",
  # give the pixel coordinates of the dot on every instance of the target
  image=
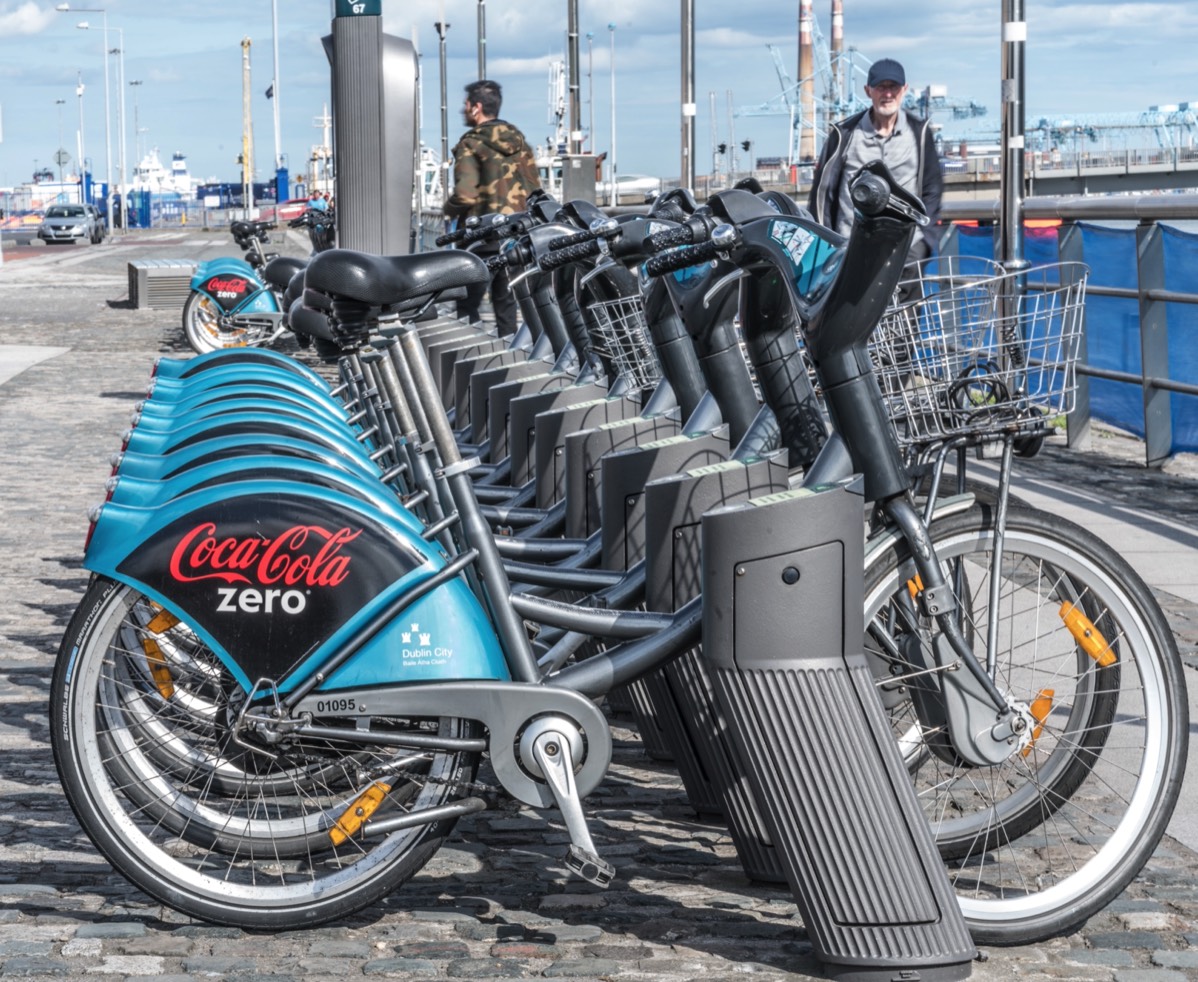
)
(449, 237)
(565, 241)
(560, 257)
(870, 194)
(496, 262)
(682, 258)
(678, 236)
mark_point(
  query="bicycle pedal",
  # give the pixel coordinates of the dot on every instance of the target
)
(589, 866)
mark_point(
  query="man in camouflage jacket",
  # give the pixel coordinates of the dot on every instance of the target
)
(493, 171)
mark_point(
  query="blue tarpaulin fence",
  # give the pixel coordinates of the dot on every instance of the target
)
(1113, 323)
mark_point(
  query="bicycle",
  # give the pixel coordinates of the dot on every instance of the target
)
(231, 303)
(439, 761)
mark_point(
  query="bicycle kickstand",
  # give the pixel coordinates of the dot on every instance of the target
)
(554, 753)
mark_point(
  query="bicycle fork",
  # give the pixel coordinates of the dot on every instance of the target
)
(983, 727)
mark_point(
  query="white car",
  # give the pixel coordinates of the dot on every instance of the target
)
(634, 187)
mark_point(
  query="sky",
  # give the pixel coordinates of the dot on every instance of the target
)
(1110, 59)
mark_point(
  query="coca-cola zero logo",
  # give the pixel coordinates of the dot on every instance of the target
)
(233, 287)
(303, 555)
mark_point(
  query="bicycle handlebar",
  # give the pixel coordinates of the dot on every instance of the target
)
(570, 254)
(565, 241)
(449, 238)
(682, 258)
(680, 235)
(723, 238)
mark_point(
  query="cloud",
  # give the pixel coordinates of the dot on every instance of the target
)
(28, 18)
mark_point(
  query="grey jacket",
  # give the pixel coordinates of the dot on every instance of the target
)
(823, 199)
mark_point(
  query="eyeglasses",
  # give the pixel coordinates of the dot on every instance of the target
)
(888, 86)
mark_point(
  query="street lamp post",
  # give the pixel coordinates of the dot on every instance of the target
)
(121, 126)
(482, 39)
(136, 126)
(61, 150)
(611, 171)
(82, 158)
(591, 89)
(84, 26)
(442, 27)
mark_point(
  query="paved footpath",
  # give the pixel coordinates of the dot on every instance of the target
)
(74, 356)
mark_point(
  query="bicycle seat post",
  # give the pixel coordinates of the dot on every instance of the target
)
(456, 472)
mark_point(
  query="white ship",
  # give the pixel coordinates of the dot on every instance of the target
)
(150, 175)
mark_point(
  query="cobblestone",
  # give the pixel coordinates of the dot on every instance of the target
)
(496, 905)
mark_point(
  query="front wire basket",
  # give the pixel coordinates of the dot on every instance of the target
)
(620, 335)
(980, 352)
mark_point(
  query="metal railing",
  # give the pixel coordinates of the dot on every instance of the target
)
(1150, 212)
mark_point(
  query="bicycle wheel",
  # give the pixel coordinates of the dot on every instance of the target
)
(203, 328)
(276, 837)
(1037, 844)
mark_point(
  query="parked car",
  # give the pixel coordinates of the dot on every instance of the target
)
(71, 223)
(291, 208)
(101, 221)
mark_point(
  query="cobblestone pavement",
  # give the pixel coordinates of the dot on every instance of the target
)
(495, 903)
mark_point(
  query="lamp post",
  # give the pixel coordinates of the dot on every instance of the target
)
(688, 94)
(482, 39)
(61, 150)
(611, 29)
(121, 126)
(82, 159)
(591, 88)
(84, 26)
(274, 95)
(136, 126)
(442, 27)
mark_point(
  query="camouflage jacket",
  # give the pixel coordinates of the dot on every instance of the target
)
(493, 171)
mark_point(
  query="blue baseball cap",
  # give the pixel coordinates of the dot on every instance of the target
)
(886, 70)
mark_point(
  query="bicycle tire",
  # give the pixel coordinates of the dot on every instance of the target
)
(202, 326)
(170, 742)
(241, 880)
(1038, 844)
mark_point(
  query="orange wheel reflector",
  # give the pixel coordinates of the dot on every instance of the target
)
(356, 814)
(159, 670)
(1040, 708)
(1087, 635)
(162, 621)
(915, 586)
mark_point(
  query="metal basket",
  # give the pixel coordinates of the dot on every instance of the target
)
(980, 351)
(619, 334)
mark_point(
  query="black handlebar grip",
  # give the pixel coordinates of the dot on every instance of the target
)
(682, 258)
(560, 257)
(565, 241)
(677, 236)
(870, 194)
(497, 261)
(449, 237)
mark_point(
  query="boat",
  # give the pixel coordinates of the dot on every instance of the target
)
(150, 175)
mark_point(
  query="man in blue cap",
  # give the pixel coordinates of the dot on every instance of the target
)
(901, 140)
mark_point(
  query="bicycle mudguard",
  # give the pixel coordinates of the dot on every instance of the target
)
(181, 400)
(230, 283)
(186, 369)
(782, 598)
(142, 492)
(277, 577)
(164, 416)
(161, 466)
(266, 425)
